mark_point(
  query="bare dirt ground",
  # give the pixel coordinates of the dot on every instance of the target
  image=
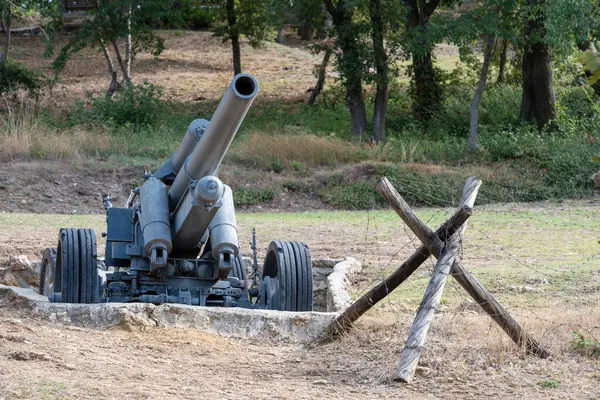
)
(42, 360)
(466, 356)
(77, 188)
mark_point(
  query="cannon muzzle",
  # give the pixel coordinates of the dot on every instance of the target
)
(212, 146)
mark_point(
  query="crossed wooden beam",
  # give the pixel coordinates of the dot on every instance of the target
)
(444, 245)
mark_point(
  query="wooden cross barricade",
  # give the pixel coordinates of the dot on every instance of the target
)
(444, 245)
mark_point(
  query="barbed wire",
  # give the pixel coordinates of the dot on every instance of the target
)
(561, 284)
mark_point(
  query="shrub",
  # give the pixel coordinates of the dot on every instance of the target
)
(14, 76)
(571, 165)
(359, 196)
(277, 166)
(137, 105)
(586, 346)
(549, 383)
(246, 196)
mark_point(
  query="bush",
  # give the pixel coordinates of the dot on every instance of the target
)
(359, 196)
(193, 14)
(576, 102)
(137, 105)
(245, 196)
(14, 76)
(585, 346)
(571, 165)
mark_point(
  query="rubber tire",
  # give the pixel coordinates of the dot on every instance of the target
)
(89, 285)
(239, 271)
(48, 281)
(290, 263)
(76, 262)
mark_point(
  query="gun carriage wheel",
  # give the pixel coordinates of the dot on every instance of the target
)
(47, 282)
(75, 276)
(287, 277)
(238, 271)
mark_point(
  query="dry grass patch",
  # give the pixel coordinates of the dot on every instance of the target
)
(194, 66)
(262, 149)
(22, 136)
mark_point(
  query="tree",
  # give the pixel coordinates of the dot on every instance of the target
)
(40, 14)
(419, 45)
(6, 17)
(350, 61)
(234, 36)
(321, 72)
(381, 65)
(111, 22)
(254, 19)
(538, 102)
(502, 63)
(483, 76)
(589, 47)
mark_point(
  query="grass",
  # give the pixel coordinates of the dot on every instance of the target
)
(556, 252)
(283, 135)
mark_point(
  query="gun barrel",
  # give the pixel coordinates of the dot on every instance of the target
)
(212, 146)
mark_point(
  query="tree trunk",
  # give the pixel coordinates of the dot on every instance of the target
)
(381, 65)
(7, 33)
(234, 36)
(356, 105)
(538, 102)
(426, 91)
(350, 64)
(474, 114)
(320, 78)
(111, 70)
(279, 38)
(306, 32)
(589, 46)
(128, 44)
(126, 77)
(502, 67)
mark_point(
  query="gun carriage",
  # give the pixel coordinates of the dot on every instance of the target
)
(176, 241)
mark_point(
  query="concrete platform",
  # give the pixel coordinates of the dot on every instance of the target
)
(228, 322)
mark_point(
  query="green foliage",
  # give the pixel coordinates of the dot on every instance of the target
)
(254, 19)
(358, 196)
(193, 13)
(298, 166)
(586, 346)
(134, 105)
(549, 383)
(14, 76)
(592, 63)
(277, 166)
(245, 196)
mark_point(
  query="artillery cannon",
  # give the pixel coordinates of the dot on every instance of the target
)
(175, 240)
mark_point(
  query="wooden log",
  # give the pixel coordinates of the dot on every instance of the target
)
(345, 320)
(425, 235)
(433, 294)
(431, 300)
(484, 298)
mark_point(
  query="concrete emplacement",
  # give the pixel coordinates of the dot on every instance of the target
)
(331, 284)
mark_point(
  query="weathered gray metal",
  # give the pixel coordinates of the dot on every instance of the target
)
(176, 239)
(155, 222)
(212, 146)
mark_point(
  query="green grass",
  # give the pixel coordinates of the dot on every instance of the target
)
(550, 247)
